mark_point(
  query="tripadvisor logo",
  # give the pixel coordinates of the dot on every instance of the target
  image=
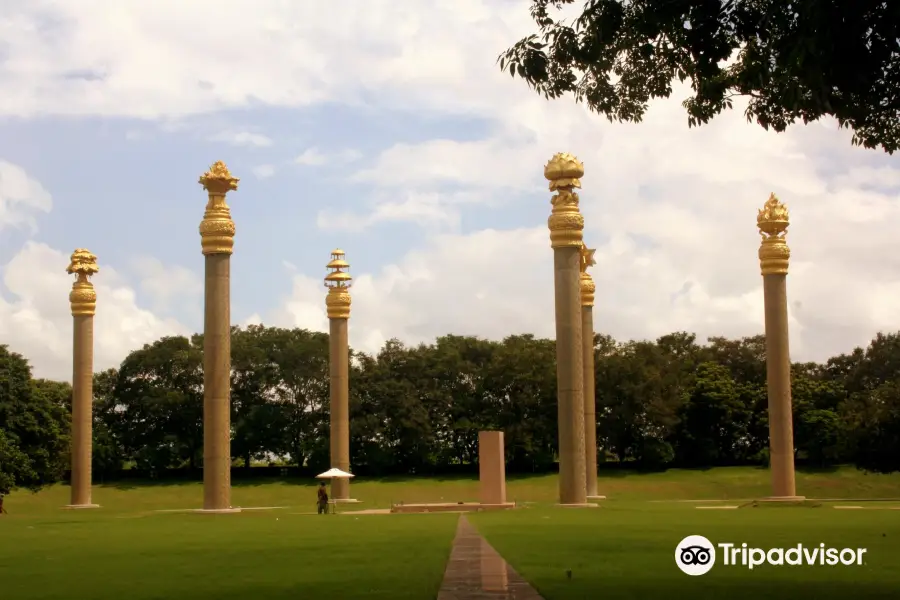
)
(696, 555)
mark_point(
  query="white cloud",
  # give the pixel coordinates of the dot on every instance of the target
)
(311, 157)
(426, 210)
(167, 285)
(263, 171)
(20, 197)
(96, 57)
(671, 209)
(242, 138)
(35, 317)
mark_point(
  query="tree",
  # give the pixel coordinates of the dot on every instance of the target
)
(520, 387)
(300, 392)
(638, 399)
(800, 60)
(254, 377)
(714, 420)
(34, 427)
(160, 394)
(108, 453)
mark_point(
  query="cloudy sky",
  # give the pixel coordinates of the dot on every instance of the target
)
(386, 129)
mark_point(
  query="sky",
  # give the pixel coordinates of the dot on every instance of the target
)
(386, 128)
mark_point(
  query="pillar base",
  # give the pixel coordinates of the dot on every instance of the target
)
(80, 506)
(593, 498)
(217, 511)
(785, 499)
(346, 501)
(578, 505)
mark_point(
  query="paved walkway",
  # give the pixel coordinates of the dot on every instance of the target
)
(476, 572)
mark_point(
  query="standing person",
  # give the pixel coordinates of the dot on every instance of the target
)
(323, 499)
(2, 510)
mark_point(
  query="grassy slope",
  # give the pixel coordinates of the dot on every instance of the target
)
(261, 555)
(720, 483)
(127, 549)
(620, 553)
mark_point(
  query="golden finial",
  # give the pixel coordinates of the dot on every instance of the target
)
(217, 229)
(566, 223)
(218, 179)
(83, 298)
(587, 282)
(773, 220)
(337, 302)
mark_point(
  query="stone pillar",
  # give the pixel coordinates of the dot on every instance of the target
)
(774, 255)
(337, 304)
(217, 241)
(491, 467)
(566, 224)
(590, 405)
(83, 300)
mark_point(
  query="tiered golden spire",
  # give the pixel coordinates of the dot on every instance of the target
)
(587, 282)
(566, 223)
(773, 220)
(217, 229)
(83, 298)
(337, 302)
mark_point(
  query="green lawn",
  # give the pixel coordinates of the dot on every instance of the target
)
(260, 556)
(623, 550)
(627, 551)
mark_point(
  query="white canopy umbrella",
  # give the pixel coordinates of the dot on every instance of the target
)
(334, 473)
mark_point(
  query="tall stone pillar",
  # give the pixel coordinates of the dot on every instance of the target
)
(774, 255)
(566, 224)
(217, 241)
(587, 356)
(83, 300)
(337, 303)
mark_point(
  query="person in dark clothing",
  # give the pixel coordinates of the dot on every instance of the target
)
(2, 510)
(323, 499)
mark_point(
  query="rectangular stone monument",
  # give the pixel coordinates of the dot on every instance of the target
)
(492, 467)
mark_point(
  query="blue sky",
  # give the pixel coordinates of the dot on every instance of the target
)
(386, 129)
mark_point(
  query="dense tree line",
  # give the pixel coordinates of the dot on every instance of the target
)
(418, 409)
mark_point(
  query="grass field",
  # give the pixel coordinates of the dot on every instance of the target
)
(625, 549)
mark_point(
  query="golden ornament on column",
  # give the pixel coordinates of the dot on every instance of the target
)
(774, 256)
(337, 304)
(83, 300)
(587, 343)
(217, 243)
(566, 225)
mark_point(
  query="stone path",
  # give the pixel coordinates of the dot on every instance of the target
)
(476, 572)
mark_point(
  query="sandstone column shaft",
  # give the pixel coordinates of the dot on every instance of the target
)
(217, 241)
(590, 407)
(337, 305)
(774, 257)
(566, 225)
(82, 409)
(569, 376)
(778, 375)
(339, 372)
(217, 384)
(83, 301)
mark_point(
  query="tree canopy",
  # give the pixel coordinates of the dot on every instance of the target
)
(34, 426)
(794, 60)
(661, 403)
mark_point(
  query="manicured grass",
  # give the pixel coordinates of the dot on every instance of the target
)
(261, 555)
(623, 550)
(627, 551)
(718, 483)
